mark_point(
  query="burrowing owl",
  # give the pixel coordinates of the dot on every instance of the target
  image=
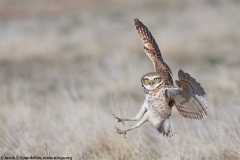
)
(160, 95)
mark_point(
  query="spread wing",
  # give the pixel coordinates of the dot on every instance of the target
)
(190, 98)
(152, 50)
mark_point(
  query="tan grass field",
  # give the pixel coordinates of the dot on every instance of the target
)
(66, 66)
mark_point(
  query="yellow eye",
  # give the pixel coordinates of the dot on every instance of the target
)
(146, 80)
(156, 79)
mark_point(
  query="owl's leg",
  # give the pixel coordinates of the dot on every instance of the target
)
(135, 118)
(166, 128)
(143, 120)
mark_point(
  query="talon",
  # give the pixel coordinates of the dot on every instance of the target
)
(118, 119)
(119, 131)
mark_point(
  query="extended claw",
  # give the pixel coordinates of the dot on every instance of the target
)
(118, 119)
(119, 131)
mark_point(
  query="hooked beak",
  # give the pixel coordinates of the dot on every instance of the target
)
(151, 82)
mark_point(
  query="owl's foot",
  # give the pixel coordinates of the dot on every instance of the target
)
(119, 131)
(118, 119)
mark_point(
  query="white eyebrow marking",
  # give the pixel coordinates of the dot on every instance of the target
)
(151, 77)
(161, 82)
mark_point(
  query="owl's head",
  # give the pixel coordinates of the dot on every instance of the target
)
(151, 80)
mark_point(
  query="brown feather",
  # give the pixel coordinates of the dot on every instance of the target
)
(153, 51)
(190, 98)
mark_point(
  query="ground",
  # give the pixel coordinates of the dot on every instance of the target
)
(66, 66)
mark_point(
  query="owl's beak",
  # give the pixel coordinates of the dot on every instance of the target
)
(151, 82)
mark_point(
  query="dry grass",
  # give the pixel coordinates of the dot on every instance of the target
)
(66, 67)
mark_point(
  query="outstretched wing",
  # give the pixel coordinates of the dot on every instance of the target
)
(190, 98)
(152, 50)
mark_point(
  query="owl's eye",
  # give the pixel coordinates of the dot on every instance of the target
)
(156, 79)
(146, 80)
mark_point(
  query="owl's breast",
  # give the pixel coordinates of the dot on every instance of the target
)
(158, 103)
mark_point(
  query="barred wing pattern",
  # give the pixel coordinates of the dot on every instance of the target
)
(190, 98)
(152, 50)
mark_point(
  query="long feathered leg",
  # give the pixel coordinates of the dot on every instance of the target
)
(143, 120)
(166, 128)
(135, 118)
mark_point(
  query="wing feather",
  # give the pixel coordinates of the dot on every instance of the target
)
(190, 98)
(153, 51)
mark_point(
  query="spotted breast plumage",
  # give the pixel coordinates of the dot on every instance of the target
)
(160, 95)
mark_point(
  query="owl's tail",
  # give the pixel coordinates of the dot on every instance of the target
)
(166, 128)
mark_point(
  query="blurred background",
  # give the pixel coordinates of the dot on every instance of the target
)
(66, 66)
